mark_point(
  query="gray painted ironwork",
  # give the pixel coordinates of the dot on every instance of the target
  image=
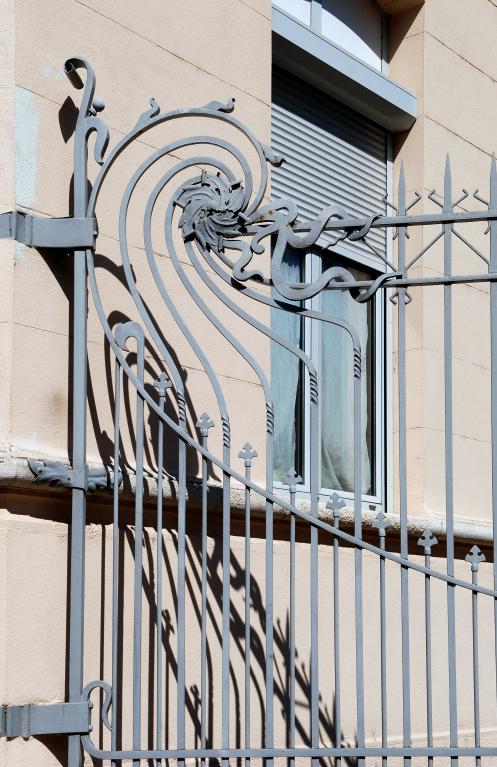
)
(224, 222)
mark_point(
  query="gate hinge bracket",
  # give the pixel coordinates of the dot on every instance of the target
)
(45, 719)
(38, 232)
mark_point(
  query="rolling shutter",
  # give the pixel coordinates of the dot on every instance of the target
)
(333, 155)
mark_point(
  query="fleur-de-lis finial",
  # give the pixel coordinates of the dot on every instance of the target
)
(475, 556)
(336, 503)
(162, 383)
(247, 453)
(292, 480)
(427, 540)
(204, 423)
(381, 522)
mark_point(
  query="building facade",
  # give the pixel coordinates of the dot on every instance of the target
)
(364, 100)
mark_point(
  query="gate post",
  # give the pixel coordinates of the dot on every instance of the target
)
(79, 391)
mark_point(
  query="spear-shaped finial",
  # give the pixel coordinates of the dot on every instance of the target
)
(204, 423)
(493, 182)
(427, 540)
(162, 383)
(292, 480)
(381, 522)
(247, 453)
(335, 503)
(475, 556)
(447, 185)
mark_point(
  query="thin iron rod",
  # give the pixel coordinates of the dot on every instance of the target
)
(115, 556)
(158, 617)
(449, 471)
(291, 638)
(358, 588)
(181, 589)
(247, 702)
(203, 613)
(444, 217)
(383, 650)
(476, 668)
(336, 634)
(493, 382)
(269, 598)
(226, 597)
(428, 659)
(404, 573)
(137, 618)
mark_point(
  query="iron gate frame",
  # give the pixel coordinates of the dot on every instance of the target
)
(240, 224)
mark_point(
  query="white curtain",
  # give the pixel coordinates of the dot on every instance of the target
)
(285, 373)
(337, 393)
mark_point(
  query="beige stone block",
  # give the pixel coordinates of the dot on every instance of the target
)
(125, 85)
(407, 57)
(456, 108)
(39, 374)
(205, 34)
(447, 20)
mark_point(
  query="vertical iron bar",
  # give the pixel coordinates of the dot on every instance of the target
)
(269, 587)
(336, 503)
(226, 593)
(336, 635)
(381, 523)
(315, 450)
(79, 388)
(138, 607)
(404, 546)
(428, 540)
(181, 578)
(493, 381)
(161, 385)
(204, 424)
(449, 478)
(292, 479)
(359, 637)
(474, 557)
(248, 454)
(115, 556)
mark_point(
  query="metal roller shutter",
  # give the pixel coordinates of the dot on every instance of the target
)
(333, 155)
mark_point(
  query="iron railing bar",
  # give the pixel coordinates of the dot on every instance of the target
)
(493, 383)
(401, 282)
(404, 543)
(444, 217)
(347, 752)
(226, 611)
(476, 669)
(138, 551)
(428, 543)
(181, 691)
(314, 579)
(158, 617)
(336, 633)
(269, 739)
(358, 584)
(203, 608)
(449, 461)
(292, 648)
(115, 558)
(247, 702)
(383, 645)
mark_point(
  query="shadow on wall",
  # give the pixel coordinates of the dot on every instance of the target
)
(168, 638)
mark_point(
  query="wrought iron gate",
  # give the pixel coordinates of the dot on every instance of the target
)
(271, 698)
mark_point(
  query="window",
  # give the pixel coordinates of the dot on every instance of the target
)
(333, 155)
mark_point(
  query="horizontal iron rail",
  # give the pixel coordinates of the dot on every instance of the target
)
(392, 281)
(358, 222)
(269, 753)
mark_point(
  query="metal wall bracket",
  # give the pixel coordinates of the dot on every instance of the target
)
(37, 232)
(55, 473)
(54, 718)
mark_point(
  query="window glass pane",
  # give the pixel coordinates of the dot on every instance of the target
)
(337, 387)
(354, 26)
(300, 9)
(286, 377)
